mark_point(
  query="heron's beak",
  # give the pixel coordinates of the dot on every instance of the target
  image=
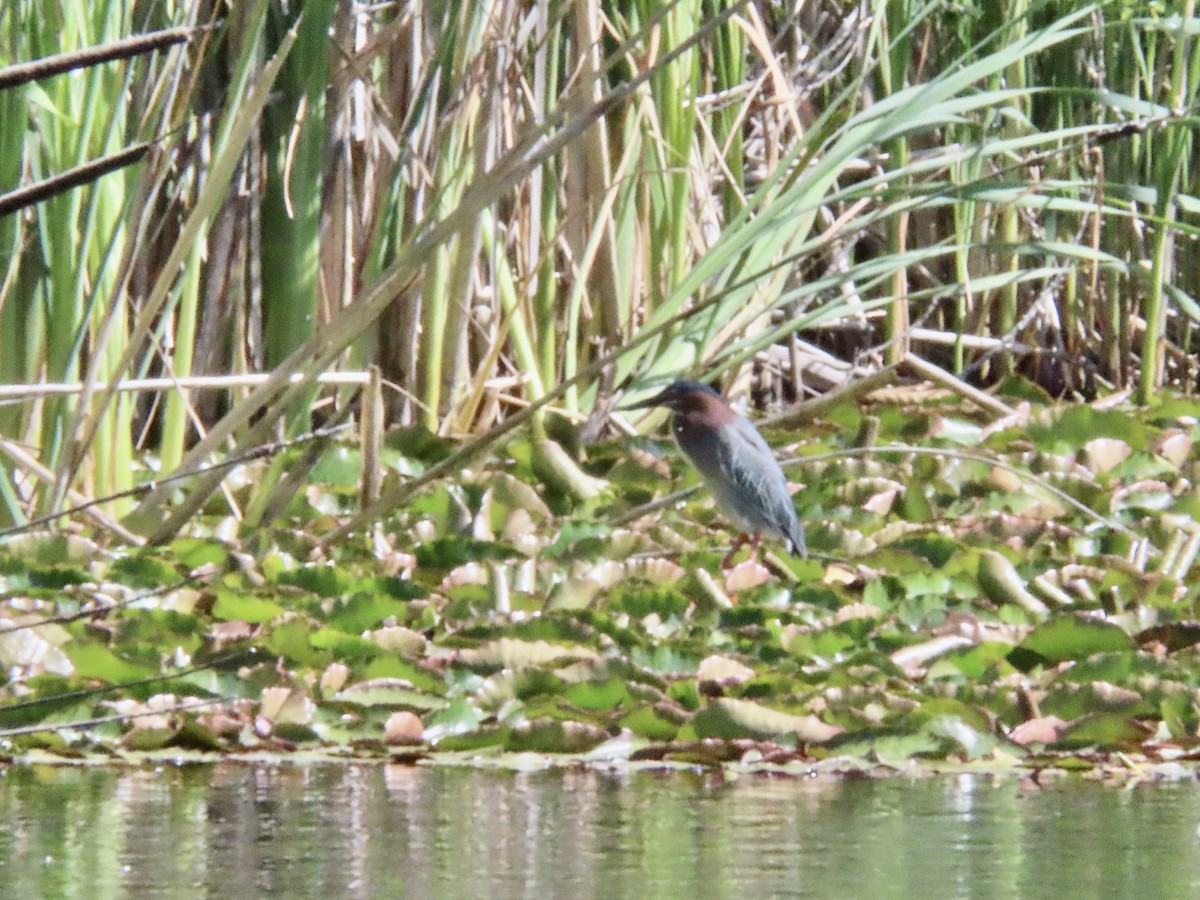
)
(656, 400)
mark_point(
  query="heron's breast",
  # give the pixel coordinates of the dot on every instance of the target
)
(701, 445)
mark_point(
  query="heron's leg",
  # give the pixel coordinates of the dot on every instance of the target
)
(737, 545)
(755, 541)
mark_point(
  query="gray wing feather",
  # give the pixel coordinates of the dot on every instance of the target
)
(759, 475)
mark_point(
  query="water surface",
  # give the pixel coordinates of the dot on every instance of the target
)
(237, 830)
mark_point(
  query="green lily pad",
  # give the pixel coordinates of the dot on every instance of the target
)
(649, 722)
(194, 736)
(1076, 425)
(388, 692)
(418, 442)
(474, 740)
(459, 716)
(1068, 637)
(971, 662)
(142, 571)
(347, 647)
(1073, 701)
(1020, 388)
(390, 666)
(148, 738)
(1104, 731)
(973, 740)
(192, 552)
(933, 548)
(643, 601)
(365, 611)
(339, 466)
(95, 661)
(554, 736)
(291, 640)
(598, 695)
(448, 552)
(579, 540)
(231, 606)
(893, 746)
(325, 581)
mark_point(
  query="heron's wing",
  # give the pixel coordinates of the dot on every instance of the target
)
(755, 472)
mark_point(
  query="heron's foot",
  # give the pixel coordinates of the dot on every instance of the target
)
(754, 540)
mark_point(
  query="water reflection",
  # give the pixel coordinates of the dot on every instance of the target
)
(237, 830)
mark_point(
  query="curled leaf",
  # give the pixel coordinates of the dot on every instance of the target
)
(511, 653)
(723, 670)
(1000, 582)
(728, 718)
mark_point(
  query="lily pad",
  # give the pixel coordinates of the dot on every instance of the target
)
(388, 692)
(730, 718)
(448, 552)
(649, 722)
(364, 611)
(142, 571)
(507, 653)
(598, 695)
(1077, 425)
(232, 606)
(552, 736)
(95, 661)
(1068, 637)
(325, 581)
(1104, 731)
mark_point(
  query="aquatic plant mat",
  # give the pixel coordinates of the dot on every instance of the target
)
(1012, 593)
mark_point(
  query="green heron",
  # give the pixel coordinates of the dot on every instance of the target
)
(735, 462)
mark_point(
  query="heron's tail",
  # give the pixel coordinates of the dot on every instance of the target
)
(795, 538)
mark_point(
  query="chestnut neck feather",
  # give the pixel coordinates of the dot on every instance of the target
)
(697, 423)
(703, 410)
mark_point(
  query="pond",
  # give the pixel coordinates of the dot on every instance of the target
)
(236, 830)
